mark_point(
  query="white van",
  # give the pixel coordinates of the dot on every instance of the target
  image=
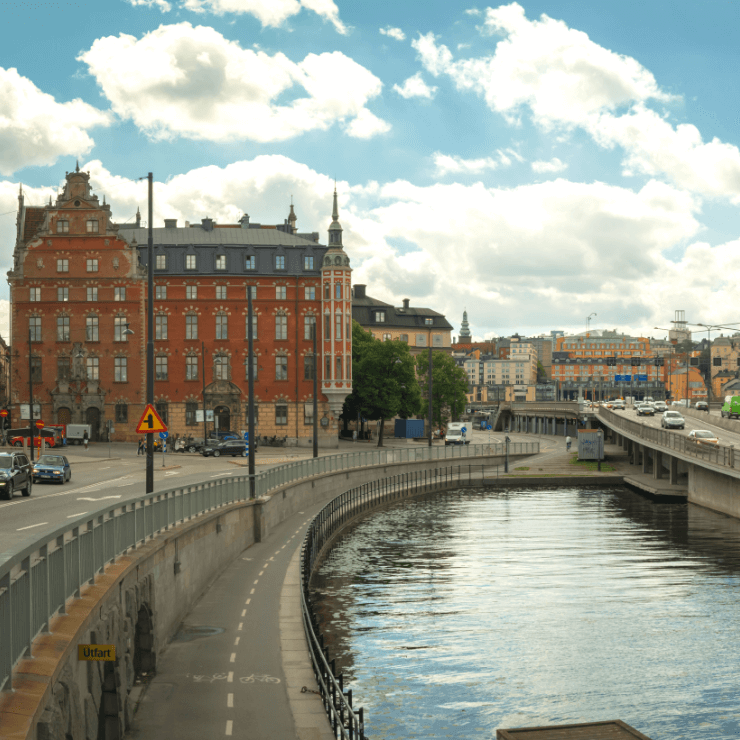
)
(76, 432)
(455, 434)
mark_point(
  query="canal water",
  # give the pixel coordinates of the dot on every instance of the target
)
(463, 612)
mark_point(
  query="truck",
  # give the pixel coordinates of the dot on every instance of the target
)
(455, 434)
(75, 433)
(731, 407)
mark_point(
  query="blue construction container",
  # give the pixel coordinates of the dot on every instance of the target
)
(409, 428)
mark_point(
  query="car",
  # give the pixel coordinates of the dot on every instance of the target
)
(233, 447)
(660, 406)
(54, 468)
(223, 436)
(15, 474)
(701, 406)
(645, 410)
(618, 405)
(672, 420)
(703, 437)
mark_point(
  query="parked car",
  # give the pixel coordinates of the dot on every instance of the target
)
(703, 437)
(702, 406)
(54, 468)
(645, 410)
(233, 447)
(15, 474)
(672, 420)
(660, 406)
(223, 436)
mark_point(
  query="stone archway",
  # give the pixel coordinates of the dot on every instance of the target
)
(144, 655)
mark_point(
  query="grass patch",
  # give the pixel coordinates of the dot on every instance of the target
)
(523, 468)
(590, 464)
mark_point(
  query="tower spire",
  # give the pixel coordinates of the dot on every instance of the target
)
(335, 230)
(465, 328)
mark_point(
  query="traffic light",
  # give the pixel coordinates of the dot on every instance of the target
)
(635, 362)
(659, 361)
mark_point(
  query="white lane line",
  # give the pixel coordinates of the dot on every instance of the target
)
(230, 678)
(232, 659)
(40, 524)
(272, 559)
(72, 516)
(236, 641)
(230, 701)
(252, 591)
(107, 467)
(229, 727)
(277, 553)
(256, 582)
(261, 573)
(122, 485)
(239, 628)
(102, 498)
(283, 547)
(247, 601)
(244, 612)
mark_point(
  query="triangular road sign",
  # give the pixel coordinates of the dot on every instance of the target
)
(150, 422)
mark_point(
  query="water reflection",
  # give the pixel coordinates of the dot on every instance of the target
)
(458, 613)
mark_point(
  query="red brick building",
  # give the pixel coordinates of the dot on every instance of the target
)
(78, 288)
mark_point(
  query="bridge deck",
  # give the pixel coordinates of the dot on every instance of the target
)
(655, 486)
(613, 730)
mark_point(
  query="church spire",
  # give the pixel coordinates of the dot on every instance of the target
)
(335, 230)
(465, 328)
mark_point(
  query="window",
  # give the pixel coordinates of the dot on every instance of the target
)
(191, 326)
(220, 367)
(222, 326)
(62, 328)
(221, 262)
(338, 291)
(281, 367)
(430, 322)
(64, 367)
(437, 340)
(191, 292)
(91, 329)
(254, 367)
(119, 329)
(308, 413)
(250, 263)
(190, 262)
(62, 265)
(62, 295)
(253, 289)
(327, 327)
(327, 367)
(92, 226)
(34, 295)
(327, 291)
(279, 262)
(121, 370)
(162, 408)
(281, 415)
(93, 368)
(308, 263)
(254, 327)
(92, 294)
(308, 366)
(160, 292)
(338, 326)
(160, 368)
(338, 376)
(380, 317)
(62, 227)
(309, 294)
(190, 408)
(191, 367)
(160, 326)
(280, 292)
(119, 294)
(386, 337)
(92, 265)
(421, 340)
(36, 369)
(121, 413)
(309, 322)
(281, 326)
(404, 338)
(160, 262)
(220, 292)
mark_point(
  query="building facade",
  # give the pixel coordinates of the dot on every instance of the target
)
(78, 292)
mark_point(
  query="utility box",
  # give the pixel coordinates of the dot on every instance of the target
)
(590, 444)
(409, 428)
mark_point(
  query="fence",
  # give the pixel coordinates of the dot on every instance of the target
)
(346, 722)
(37, 580)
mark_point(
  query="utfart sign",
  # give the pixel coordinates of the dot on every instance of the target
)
(96, 652)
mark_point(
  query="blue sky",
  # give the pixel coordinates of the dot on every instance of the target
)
(534, 162)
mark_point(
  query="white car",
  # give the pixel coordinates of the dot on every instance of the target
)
(660, 406)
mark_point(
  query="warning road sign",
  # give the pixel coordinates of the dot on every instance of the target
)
(150, 422)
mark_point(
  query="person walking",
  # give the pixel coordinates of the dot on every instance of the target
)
(85, 438)
(140, 448)
(568, 441)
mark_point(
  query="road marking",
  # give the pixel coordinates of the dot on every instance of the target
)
(236, 641)
(229, 727)
(239, 628)
(232, 659)
(122, 485)
(107, 467)
(72, 516)
(257, 581)
(252, 591)
(102, 498)
(261, 572)
(247, 601)
(244, 612)
(230, 701)
(230, 679)
(40, 524)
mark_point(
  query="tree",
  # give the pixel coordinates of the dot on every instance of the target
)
(362, 342)
(449, 386)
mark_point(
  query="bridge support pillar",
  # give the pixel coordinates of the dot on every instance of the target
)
(637, 453)
(645, 460)
(625, 443)
(657, 464)
(673, 468)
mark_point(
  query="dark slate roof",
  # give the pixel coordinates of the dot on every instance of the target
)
(33, 217)
(198, 236)
(364, 309)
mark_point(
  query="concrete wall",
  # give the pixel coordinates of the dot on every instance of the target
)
(139, 602)
(714, 491)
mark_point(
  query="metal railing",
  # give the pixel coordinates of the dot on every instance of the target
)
(346, 722)
(719, 455)
(39, 577)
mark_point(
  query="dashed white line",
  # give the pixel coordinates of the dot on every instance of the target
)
(261, 573)
(31, 526)
(236, 641)
(239, 628)
(229, 727)
(230, 701)
(72, 516)
(244, 612)
(230, 678)
(232, 659)
(255, 583)
(252, 591)
(248, 600)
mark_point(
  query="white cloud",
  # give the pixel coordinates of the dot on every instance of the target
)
(187, 81)
(554, 165)
(366, 125)
(36, 130)
(565, 80)
(394, 33)
(446, 164)
(415, 87)
(163, 5)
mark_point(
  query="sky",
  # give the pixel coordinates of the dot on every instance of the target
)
(542, 165)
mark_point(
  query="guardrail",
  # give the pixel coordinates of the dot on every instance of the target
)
(719, 455)
(346, 722)
(37, 580)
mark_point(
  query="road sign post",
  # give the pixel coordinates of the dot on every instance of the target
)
(163, 436)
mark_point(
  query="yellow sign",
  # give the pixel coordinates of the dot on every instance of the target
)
(96, 652)
(150, 422)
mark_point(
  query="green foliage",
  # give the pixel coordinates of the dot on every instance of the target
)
(449, 386)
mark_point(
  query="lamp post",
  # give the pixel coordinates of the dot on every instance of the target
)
(314, 329)
(30, 392)
(430, 393)
(150, 333)
(203, 363)
(250, 386)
